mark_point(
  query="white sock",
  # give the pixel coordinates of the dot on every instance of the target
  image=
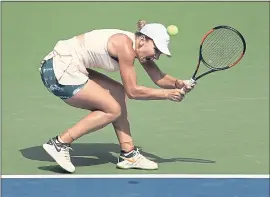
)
(60, 140)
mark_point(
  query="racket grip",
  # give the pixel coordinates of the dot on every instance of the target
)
(192, 82)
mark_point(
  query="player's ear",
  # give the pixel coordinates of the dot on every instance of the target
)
(142, 40)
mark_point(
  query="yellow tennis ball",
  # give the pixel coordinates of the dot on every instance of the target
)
(172, 30)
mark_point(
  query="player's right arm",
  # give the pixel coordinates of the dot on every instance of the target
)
(126, 57)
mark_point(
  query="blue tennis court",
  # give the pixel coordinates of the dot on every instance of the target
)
(136, 187)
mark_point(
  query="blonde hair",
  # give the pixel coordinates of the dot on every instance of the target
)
(140, 24)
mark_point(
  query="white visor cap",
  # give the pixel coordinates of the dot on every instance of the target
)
(158, 33)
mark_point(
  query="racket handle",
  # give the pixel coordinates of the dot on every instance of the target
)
(192, 82)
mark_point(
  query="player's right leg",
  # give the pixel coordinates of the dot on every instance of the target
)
(106, 110)
(91, 96)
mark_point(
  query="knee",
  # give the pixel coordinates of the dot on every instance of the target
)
(114, 112)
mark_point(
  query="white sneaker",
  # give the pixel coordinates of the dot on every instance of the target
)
(135, 160)
(60, 153)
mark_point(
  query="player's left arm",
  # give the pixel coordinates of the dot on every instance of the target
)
(160, 78)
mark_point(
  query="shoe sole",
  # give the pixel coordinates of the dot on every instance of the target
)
(137, 168)
(50, 152)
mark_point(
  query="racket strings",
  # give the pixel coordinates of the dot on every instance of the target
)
(222, 48)
(225, 48)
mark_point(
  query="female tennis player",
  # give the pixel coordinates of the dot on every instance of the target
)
(68, 72)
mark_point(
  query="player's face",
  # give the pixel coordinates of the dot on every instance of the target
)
(147, 50)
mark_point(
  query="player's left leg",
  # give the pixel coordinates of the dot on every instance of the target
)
(129, 156)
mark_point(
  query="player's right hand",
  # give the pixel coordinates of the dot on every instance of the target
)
(175, 95)
(188, 86)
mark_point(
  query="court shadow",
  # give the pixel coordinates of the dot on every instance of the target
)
(86, 154)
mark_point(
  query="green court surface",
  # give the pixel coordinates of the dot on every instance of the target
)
(220, 127)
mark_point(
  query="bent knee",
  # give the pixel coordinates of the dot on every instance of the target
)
(114, 112)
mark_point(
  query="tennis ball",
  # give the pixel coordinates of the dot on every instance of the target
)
(172, 30)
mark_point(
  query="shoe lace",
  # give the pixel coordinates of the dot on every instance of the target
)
(137, 151)
(138, 154)
(66, 149)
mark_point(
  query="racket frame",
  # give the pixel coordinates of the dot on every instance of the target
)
(213, 69)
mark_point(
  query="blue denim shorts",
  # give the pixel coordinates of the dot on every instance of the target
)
(51, 83)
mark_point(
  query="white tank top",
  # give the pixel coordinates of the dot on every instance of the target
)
(70, 59)
(96, 45)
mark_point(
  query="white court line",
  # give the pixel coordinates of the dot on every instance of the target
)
(142, 176)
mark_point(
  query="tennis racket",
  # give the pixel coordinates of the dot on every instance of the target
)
(221, 48)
